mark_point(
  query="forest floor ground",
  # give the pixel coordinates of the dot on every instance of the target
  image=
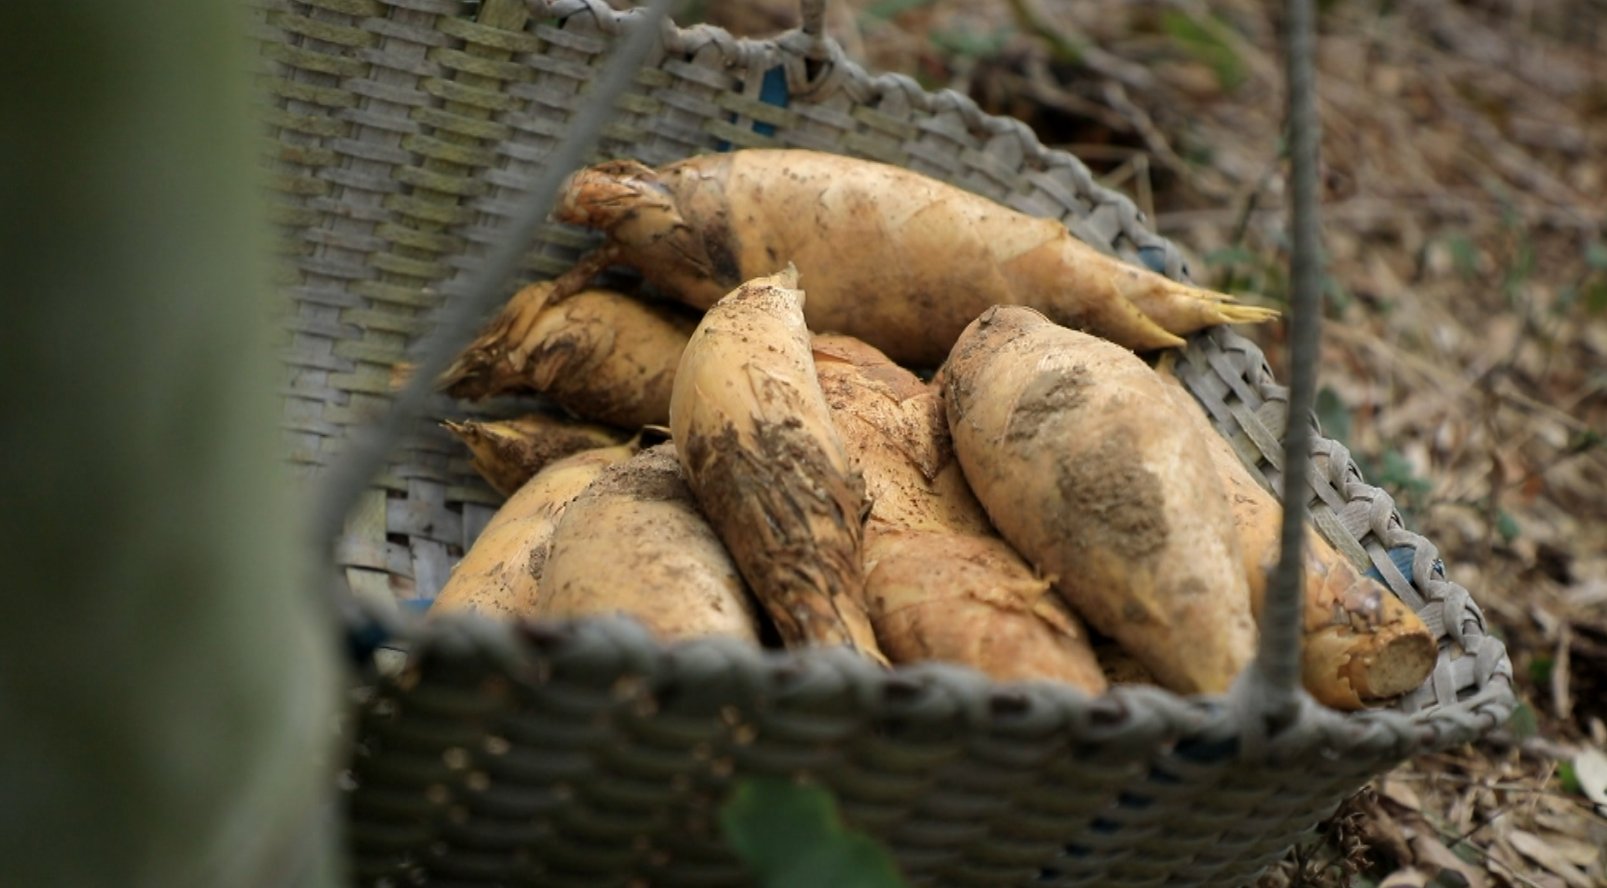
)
(1464, 353)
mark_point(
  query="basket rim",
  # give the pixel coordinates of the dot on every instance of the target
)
(525, 651)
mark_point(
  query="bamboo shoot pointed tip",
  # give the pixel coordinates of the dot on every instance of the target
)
(1248, 314)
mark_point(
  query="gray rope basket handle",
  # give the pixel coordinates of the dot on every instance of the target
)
(1273, 686)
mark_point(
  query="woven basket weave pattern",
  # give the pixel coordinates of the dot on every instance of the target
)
(404, 135)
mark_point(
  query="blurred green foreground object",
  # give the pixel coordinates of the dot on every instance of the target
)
(167, 685)
(791, 837)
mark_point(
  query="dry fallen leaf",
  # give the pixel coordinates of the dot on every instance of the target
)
(1590, 769)
(1432, 854)
(1401, 793)
(1410, 877)
(1509, 864)
(1383, 833)
(1579, 852)
(1540, 851)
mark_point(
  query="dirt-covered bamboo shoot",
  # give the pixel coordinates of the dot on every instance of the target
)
(635, 543)
(1071, 445)
(940, 583)
(601, 355)
(500, 574)
(1362, 645)
(769, 470)
(898, 259)
(509, 452)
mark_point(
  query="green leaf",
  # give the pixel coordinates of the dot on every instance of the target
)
(1464, 256)
(1567, 298)
(1523, 722)
(971, 44)
(1596, 255)
(1506, 525)
(889, 8)
(1397, 474)
(1336, 295)
(1207, 40)
(790, 836)
(1540, 670)
(1517, 274)
(1333, 415)
(1230, 256)
(1568, 778)
(1596, 297)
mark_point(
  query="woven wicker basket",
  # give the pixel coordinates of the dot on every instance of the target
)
(586, 754)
